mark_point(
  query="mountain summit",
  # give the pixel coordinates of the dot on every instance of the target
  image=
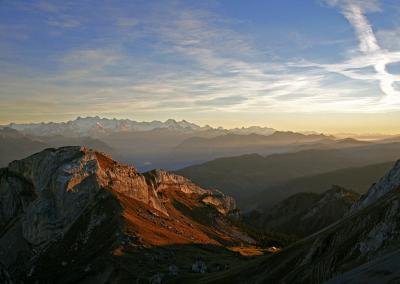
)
(76, 212)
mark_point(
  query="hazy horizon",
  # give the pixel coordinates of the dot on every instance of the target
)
(339, 134)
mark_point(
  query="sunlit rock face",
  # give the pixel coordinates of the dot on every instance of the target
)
(61, 184)
(75, 200)
(163, 180)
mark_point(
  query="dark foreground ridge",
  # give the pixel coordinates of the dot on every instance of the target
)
(362, 247)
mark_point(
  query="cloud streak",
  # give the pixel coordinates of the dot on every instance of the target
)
(355, 15)
(373, 54)
(180, 59)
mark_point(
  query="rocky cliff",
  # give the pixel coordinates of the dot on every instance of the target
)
(73, 209)
(386, 184)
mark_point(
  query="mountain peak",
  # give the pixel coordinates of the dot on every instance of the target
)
(67, 203)
(70, 167)
(386, 184)
(170, 121)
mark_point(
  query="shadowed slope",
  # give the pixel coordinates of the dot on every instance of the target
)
(245, 176)
(305, 213)
(367, 234)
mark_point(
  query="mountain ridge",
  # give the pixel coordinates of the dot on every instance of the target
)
(352, 248)
(245, 175)
(305, 213)
(170, 144)
(76, 212)
(97, 126)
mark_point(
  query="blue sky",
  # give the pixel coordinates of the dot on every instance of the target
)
(290, 64)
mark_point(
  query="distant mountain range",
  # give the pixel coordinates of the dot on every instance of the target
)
(170, 144)
(97, 127)
(255, 179)
(252, 139)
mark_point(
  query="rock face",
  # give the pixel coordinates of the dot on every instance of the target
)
(62, 206)
(61, 184)
(223, 203)
(305, 213)
(363, 242)
(162, 180)
(387, 183)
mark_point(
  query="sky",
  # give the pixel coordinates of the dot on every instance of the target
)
(322, 65)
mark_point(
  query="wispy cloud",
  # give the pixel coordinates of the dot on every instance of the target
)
(354, 13)
(185, 59)
(371, 53)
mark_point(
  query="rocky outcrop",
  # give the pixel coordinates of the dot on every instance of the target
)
(54, 187)
(223, 203)
(161, 180)
(387, 183)
(61, 205)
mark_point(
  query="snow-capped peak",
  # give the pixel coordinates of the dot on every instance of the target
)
(97, 126)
